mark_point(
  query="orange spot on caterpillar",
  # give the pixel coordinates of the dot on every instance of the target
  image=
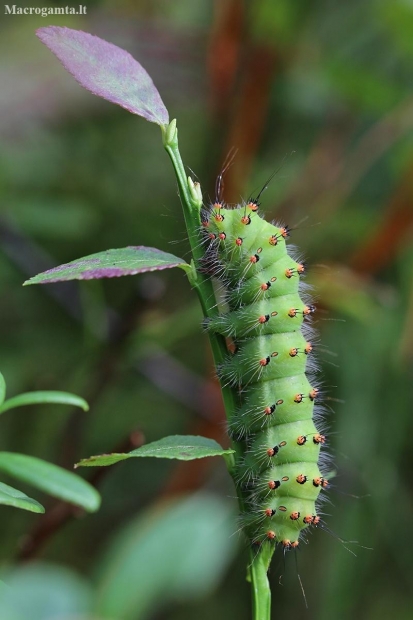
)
(273, 240)
(301, 479)
(295, 544)
(205, 223)
(217, 206)
(285, 231)
(308, 348)
(293, 352)
(265, 286)
(222, 236)
(238, 241)
(308, 519)
(317, 481)
(286, 543)
(269, 410)
(264, 318)
(252, 205)
(272, 451)
(301, 440)
(294, 515)
(274, 484)
(254, 258)
(212, 236)
(298, 398)
(289, 273)
(313, 393)
(308, 310)
(246, 220)
(301, 268)
(271, 535)
(218, 217)
(292, 312)
(316, 520)
(319, 438)
(269, 512)
(324, 483)
(265, 361)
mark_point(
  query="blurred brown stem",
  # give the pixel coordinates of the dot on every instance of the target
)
(62, 512)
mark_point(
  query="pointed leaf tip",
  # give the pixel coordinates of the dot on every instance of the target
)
(106, 71)
(13, 497)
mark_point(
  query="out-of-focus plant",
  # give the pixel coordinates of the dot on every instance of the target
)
(46, 477)
(160, 557)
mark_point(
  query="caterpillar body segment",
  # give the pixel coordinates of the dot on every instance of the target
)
(267, 316)
(282, 444)
(265, 284)
(265, 357)
(261, 406)
(279, 473)
(286, 517)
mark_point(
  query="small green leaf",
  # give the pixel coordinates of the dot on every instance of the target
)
(2, 389)
(13, 497)
(111, 264)
(181, 447)
(42, 398)
(51, 479)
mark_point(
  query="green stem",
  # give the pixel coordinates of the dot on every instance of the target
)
(191, 199)
(261, 593)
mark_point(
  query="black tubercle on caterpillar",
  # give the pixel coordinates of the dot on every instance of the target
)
(271, 370)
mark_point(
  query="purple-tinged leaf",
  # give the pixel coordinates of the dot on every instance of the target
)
(111, 264)
(106, 70)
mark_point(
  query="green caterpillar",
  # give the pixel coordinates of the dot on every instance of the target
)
(270, 371)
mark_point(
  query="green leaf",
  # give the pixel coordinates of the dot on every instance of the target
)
(51, 479)
(2, 389)
(13, 497)
(177, 551)
(39, 591)
(41, 398)
(181, 447)
(112, 264)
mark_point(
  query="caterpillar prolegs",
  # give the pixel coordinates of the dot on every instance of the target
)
(270, 370)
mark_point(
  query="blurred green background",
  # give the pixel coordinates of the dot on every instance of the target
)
(323, 88)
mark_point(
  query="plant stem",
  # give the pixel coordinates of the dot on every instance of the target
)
(261, 593)
(191, 206)
(191, 199)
